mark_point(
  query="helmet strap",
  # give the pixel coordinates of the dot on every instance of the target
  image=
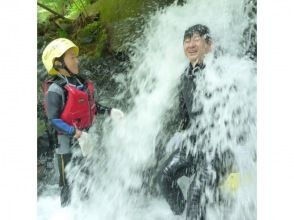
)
(63, 77)
(62, 65)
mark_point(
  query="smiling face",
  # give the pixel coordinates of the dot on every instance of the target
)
(195, 48)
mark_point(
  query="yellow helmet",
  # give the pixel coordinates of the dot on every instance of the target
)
(54, 49)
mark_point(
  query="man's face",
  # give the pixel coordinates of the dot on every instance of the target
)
(71, 61)
(195, 48)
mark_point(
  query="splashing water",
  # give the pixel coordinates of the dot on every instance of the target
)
(126, 150)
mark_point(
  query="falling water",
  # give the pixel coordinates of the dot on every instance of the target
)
(125, 150)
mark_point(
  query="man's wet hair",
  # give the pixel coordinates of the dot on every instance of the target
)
(201, 29)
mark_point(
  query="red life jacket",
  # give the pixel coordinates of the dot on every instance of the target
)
(80, 108)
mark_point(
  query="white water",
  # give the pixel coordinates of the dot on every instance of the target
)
(128, 148)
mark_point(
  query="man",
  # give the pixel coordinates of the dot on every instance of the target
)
(197, 43)
(69, 103)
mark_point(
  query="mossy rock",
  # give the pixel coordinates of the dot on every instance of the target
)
(41, 127)
(124, 19)
(92, 39)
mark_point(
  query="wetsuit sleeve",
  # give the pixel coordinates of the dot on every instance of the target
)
(102, 109)
(54, 109)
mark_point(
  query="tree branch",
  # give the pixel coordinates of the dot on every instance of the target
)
(50, 10)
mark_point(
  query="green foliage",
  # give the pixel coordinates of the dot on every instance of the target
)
(70, 9)
(56, 5)
(76, 7)
(62, 33)
(121, 18)
(42, 15)
(90, 29)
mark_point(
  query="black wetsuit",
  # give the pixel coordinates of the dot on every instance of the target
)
(181, 164)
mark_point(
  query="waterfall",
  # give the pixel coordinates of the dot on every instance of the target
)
(126, 150)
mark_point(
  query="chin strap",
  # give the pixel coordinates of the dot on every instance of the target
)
(63, 77)
(62, 65)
